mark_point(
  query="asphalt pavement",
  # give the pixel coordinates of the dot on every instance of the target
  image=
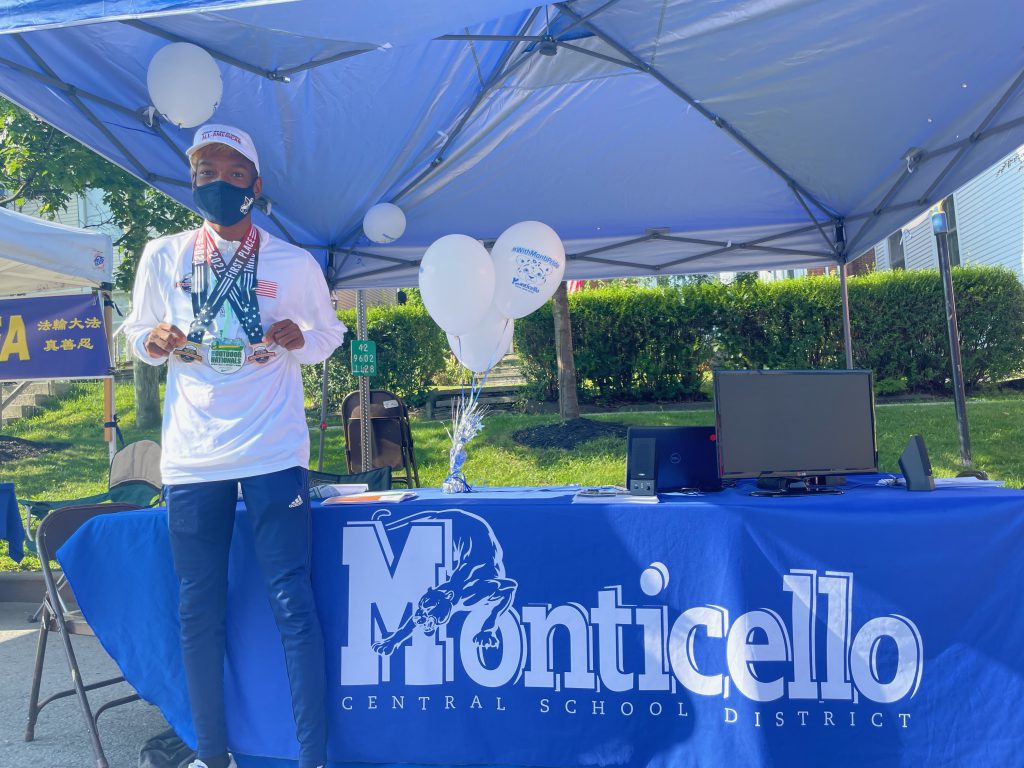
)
(62, 739)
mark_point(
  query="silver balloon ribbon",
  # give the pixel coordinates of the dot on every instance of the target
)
(467, 422)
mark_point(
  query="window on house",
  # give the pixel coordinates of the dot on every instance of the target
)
(952, 239)
(896, 260)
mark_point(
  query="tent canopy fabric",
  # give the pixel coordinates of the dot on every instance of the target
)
(38, 255)
(655, 136)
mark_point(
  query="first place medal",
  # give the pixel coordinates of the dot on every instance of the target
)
(226, 355)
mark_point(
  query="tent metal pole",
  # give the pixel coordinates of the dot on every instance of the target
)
(495, 38)
(108, 382)
(288, 72)
(500, 71)
(717, 120)
(588, 17)
(323, 419)
(972, 140)
(439, 156)
(612, 262)
(143, 26)
(596, 55)
(940, 227)
(364, 387)
(847, 335)
(379, 256)
(323, 406)
(844, 291)
(285, 232)
(742, 246)
(74, 99)
(881, 207)
(796, 193)
(917, 158)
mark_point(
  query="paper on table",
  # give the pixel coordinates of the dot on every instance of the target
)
(611, 494)
(341, 489)
(386, 497)
(967, 482)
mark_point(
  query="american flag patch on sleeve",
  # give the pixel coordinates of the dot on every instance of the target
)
(266, 288)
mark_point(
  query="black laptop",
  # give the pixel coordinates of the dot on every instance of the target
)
(686, 457)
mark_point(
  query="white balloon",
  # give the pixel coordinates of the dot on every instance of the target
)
(384, 223)
(457, 282)
(486, 344)
(529, 262)
(184, 83)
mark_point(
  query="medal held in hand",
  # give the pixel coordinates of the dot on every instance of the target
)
(260, 354)
(189, 353)
(236, 283)
(226, 355)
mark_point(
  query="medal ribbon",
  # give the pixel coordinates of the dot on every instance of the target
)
(236, 283)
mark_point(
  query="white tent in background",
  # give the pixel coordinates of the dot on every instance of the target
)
(38, 255)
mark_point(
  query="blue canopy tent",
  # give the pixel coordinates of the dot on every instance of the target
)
(655, 137)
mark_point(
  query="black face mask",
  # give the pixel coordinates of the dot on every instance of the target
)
(223, 203)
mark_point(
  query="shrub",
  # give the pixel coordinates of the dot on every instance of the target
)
(629, 343)
(898, 322)
(636, 343)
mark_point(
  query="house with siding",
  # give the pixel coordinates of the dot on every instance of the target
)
(986, 222)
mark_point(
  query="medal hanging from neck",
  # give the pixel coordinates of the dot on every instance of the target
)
(236, 283)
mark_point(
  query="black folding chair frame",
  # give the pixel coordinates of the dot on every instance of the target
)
(53, 531)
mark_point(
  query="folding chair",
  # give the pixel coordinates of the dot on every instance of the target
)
(134, 478)
(390, 435)
(55, 529)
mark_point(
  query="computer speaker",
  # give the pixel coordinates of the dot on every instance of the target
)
(642, 460)
(915, 466)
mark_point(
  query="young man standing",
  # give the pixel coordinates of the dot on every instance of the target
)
(252, 308)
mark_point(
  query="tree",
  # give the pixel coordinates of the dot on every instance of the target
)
(568, 402)
(41, 164)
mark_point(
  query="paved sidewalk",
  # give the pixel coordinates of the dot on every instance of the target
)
(62, 740)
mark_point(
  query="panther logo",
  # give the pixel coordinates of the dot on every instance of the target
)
(532, 269)
(477, 579)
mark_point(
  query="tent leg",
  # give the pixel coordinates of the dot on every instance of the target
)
(323, 420)
(941, 230)
(847, 335)
(364, 387)
(108, 383)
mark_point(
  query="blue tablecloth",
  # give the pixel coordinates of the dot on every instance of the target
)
(879, 627)
(10, 523)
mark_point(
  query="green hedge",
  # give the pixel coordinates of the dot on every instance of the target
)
(630, 343)
(635, 343)
(899, 326)
(411, 352)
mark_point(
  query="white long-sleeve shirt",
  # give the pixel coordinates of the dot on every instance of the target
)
(225, 426)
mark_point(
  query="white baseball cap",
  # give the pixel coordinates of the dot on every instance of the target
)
(229, 136)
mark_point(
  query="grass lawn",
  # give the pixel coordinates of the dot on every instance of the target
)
(494, 458)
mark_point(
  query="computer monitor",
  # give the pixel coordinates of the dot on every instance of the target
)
(684, 457)
(794, 424)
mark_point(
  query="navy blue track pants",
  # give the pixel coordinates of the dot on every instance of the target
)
(201, 517)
